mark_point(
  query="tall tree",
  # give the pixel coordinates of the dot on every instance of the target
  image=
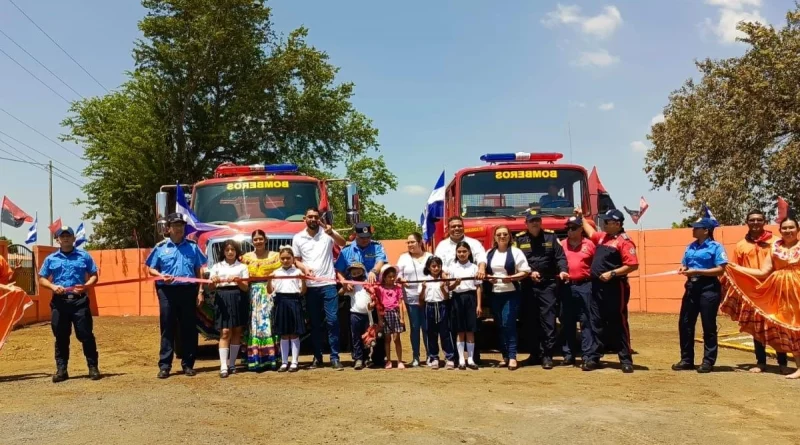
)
(732, 140)
(212, 83)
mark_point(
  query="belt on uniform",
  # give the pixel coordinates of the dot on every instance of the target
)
(696, 279)
(69, 296)
(579, 282)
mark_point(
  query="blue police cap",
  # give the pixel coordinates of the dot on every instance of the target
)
(363, 230)
(704, 223)
(533, 215)
(65, 229)
(176, 218)
(613, 215)
(575, 221)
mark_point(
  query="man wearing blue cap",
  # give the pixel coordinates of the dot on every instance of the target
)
(172, 258)
(614, 259)
(69, 273)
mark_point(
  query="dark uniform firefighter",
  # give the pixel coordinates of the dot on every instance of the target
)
(177, 257)
(614, 259)
(702, 265)
(548, 265)
(70, 273)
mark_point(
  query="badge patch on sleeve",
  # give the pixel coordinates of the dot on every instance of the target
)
(632, 251)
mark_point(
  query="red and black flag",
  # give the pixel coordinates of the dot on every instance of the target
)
(13, 215)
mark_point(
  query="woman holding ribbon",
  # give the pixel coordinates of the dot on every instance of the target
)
(410, 267)
(260, 341)
(766, 301)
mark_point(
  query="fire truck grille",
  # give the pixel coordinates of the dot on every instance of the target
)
(215, 249)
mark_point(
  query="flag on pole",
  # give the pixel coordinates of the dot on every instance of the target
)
(636, 215)
(707, 214)
(783, 209)
(193, 224)
(434, 209)
(13, 215)
(80, 235)
(55, 226)
(31, 238)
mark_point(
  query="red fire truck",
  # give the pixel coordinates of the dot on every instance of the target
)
(243, 198)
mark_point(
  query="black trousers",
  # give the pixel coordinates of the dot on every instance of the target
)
(578, 306)
(761, 354)
(612, 329)
(540, 302)
(177, 302)
(702, 297)
(65, 313)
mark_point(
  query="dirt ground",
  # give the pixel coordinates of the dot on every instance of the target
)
(129, 405)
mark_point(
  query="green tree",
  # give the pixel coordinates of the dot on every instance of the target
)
(212, 83)
(732, 140)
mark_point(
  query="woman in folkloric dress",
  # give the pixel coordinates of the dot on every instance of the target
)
(261, 354)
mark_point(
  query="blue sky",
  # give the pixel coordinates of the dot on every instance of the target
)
(443, 81)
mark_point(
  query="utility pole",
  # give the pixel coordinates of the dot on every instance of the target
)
(50, 169)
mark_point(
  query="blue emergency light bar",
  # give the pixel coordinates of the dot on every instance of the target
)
(522, 157)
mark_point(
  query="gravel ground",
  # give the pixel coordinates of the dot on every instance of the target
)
(129, 405)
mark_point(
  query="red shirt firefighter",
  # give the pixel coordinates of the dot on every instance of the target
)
(614, 259)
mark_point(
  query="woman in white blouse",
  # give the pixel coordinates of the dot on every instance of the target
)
(506, 266)
(410, 267)
(232, 305)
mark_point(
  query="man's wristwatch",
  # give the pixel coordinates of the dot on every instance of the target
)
(613, 273)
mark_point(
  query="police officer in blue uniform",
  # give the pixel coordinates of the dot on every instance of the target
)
(548, 265)
(69, 273)
(703, 263)
(177, 257)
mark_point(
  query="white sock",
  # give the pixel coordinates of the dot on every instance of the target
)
(234, 356)
(223, 358)
(470, 352)
(284, 352)
(460, 347)
(295, 349)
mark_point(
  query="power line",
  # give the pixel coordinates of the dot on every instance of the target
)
(38, 132)
(20, 151)
(59, 46)
(37, 164)
(18, 160)
(40, 63)
(36, 77)
(37, 151)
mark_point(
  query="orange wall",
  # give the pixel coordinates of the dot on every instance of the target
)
(659, 251)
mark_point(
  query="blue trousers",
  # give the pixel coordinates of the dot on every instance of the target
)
(358, 326)
(323, 308)
(438, 318)
(702, 297)
(578, 306)
(505, 309)
(417, 322)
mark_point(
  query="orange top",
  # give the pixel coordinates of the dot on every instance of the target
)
(6, 272)
(751, 253)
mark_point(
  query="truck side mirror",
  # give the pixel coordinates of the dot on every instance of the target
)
(162, 228)
(162, 198)
(351, 204)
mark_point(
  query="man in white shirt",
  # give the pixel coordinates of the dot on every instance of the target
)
(313, 251)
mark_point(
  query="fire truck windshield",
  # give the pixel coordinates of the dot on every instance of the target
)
(554, 190)
(264, 199)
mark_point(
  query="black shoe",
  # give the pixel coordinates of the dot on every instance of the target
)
(232, 370)
(589, 366)
(683, 366)
(568, 361)
(547, 363)
(627, 369)
(60, 375)
(359, 365)
(337, 365)
(316, 363)
(462, 367)
(705, 368)
(164, 373)
(189, 372)
(94, 373)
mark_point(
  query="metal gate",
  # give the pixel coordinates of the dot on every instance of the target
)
(26, 276)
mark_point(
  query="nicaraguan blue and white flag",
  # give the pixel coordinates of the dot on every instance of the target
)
(434, 209)
(192, 223)
(80, 235)
(31, 238)
(707, 214)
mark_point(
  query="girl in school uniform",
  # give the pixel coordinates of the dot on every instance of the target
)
(465, 303)
(232, 305)
(433, 296)
(390, 296)
(288, 319)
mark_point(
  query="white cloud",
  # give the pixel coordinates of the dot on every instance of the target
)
(601, 25)
(731, 13)
(599, 58)
(416, 190)
(606, 106)
(657, 119)
(638, 146)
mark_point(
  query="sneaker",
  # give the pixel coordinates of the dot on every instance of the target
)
(428, 362)
(164, 373)
(547, 363)
(94, 373)
(337, 365)
(589, 366)
(415, 363)
(60, 375)
(359, 365)
(705, 368)
(568, 361)
(189, 372)
(316, 363)
(627, 368)
(284, 367)
(223, 374)
(450, 365)
(683, 366)
(434, 364)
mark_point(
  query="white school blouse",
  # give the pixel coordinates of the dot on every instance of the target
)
(468, 270)
(226, 271)
(285, 286)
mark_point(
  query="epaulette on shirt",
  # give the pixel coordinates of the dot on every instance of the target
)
(548, 231)
(522, 233)
(162, 242)
(624, 236)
